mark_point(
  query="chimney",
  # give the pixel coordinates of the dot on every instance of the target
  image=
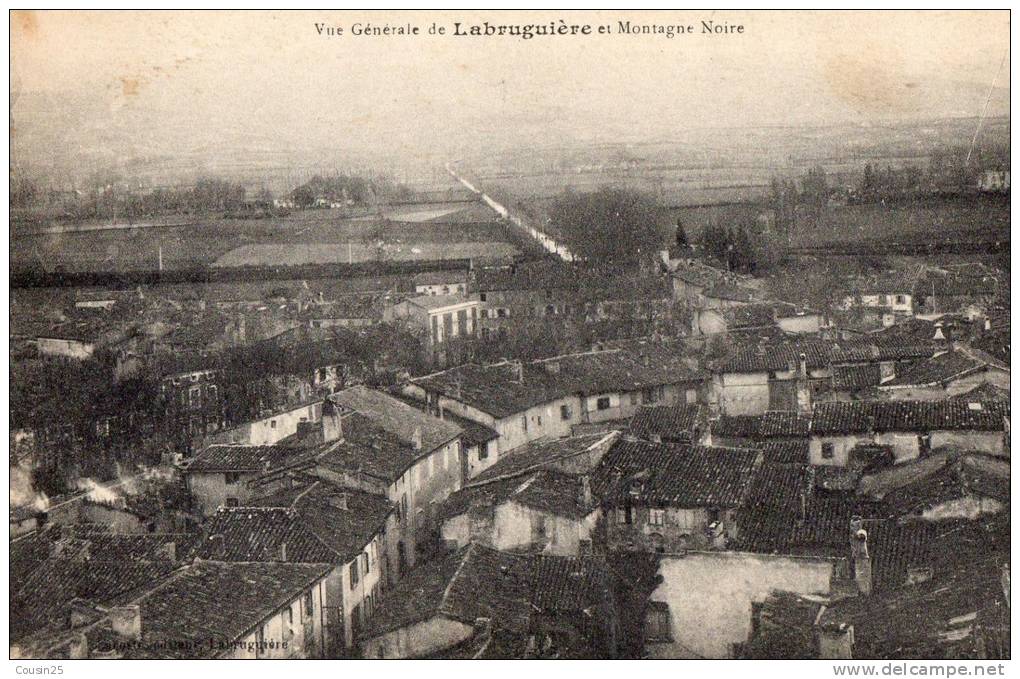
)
(170, 551)
(416, 438)
(518, 371)
(127, 621)
(217, 546)
(338, 501)
(939, 335)
(807, 491)
(78, 648)
(283, 552)
(836, 642)
(585, 499)
(332, 427)
(861, 558)
(803, 365)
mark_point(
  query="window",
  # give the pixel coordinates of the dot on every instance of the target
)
(272, 424)
(403, 506)
(462, 322)
(482, 297)
(634, 398)
(232, 502)
(502, 313)
(364, 562)
(483, 451)
(651, 395)
(656, 517)
(901, 299)
(602, 403)
(194, 394)
(354, 572)
(539, 418)
(538, 527)
(657, 626)
(230, 478)
(565, 413)
(308, 605)
(447, 325)
(435, 329)
(524, 422)
(828, 451)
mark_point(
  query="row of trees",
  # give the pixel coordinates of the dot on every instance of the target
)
(347, 189)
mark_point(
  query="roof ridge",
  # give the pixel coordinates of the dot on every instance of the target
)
(293, 504)
(446, 592)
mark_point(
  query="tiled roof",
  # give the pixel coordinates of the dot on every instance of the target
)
(770, 425)
(893, 351)
(495, 389)
(439, 277)
(42, 599)
(545, 490)
(750, 316)
(938, 370)
(823, 528)
(240, 458)
(370, 449)
(983, 392)
(957, 478)
(433, 302)
(786, 627)
(670, 423)
(472, 433)
(672, 474)
(919, 416)
(779, 357)
(730, 292)
(881, 284)
(932, 619)
(544, 454)
(478, 582)
(258, 533)
(995, 342)
(616, 370)
(318, 523)
(783, 451)
(856, 376)
(500, 390)
(205, 607)
(397, 417)
(530, 276)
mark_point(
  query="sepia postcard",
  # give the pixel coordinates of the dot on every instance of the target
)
(510, 334)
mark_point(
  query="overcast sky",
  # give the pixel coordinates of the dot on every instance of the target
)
(271, 75)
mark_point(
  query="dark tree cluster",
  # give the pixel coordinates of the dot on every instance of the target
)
(735, 240)
(612, 226)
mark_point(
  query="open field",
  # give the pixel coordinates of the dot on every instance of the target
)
(295, 254)
(975, 220)
(204, 240)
